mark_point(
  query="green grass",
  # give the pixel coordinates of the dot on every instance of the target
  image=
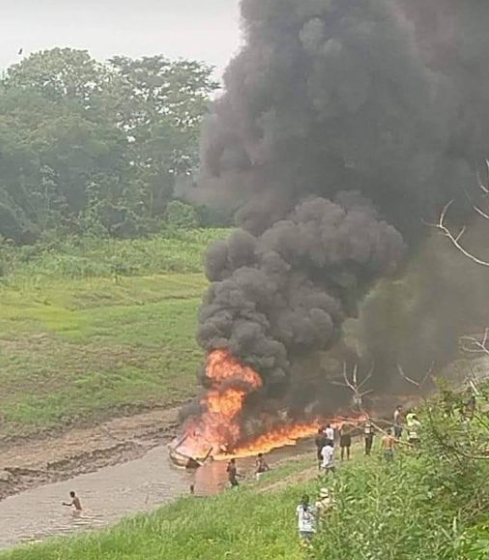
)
(77, 348)
(172, 251)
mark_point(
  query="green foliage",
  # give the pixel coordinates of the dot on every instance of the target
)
(429, 504)
(181, 216)
(474, 544)
(385, 511)
(91, 147)
(90, 257)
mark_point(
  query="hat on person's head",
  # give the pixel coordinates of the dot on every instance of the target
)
(324, 493)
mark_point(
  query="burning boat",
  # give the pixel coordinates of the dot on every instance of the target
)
(219, 431)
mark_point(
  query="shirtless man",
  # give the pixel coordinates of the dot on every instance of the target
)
(233, 474)
(261, 466)
(388, 442)
(75, 503)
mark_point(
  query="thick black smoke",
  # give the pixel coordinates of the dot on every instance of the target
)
(289, 290)
(336, 138)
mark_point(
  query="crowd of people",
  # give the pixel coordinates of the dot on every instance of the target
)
(405, 429)
(327, 438)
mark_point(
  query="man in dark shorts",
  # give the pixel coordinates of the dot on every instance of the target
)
(369, 433)
(398, 428)
(388, 443)
(345, 441)
(233, 475)
(320, 444)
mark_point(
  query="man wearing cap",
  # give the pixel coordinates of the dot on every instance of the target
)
(325, 502)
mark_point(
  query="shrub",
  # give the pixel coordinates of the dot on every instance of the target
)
(181, 216)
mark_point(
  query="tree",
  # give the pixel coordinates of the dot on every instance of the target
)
(161, 105)
(63, 76)
(106, 141)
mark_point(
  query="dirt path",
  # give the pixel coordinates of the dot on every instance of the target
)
(25, 465)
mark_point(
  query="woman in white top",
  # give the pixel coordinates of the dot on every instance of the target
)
(306, 517)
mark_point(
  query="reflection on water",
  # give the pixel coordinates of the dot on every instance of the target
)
(112, 493)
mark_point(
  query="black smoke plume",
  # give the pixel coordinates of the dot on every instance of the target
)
(342, 131)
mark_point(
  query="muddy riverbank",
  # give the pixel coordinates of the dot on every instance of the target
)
(25, 465)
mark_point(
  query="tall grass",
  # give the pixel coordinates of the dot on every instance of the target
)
(81, 258)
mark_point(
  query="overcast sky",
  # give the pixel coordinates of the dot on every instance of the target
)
(199, 29)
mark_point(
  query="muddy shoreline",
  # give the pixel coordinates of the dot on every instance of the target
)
(25, 465)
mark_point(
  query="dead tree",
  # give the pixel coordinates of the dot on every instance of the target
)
(356, 387)
(455, 238)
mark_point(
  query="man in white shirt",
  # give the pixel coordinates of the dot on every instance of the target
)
(329, 433)
(306, 516)
(328, 458)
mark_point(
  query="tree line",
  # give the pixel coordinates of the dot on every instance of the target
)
(98, 147)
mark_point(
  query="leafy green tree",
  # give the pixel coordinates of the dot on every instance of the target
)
(161, 107)
(62, 76)
(85, 144)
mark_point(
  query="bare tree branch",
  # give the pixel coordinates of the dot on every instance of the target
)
(472, 345)
(485, 194)
(418, 384)
(355, 387)
(455, 239)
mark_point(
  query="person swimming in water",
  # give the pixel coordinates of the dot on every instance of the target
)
(75, 503)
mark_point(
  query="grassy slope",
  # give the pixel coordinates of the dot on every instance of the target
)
(80, 342)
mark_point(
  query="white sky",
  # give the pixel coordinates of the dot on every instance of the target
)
(205, 30)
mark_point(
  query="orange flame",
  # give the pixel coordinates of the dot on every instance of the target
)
(280, 436)
(218, 430)
(219, 427)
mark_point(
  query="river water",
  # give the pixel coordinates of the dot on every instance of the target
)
(140, 486)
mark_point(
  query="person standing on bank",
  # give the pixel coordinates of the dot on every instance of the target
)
(320, 444)
(369, 433)
(329, 433)
(345, 441)
(328, 464)
(398, 428)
